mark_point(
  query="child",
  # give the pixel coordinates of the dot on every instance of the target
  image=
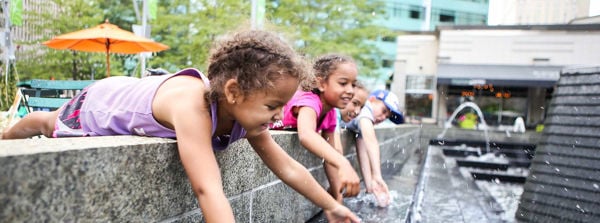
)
(251, 74)
(380, 106)
(313, 115)
(353, 108)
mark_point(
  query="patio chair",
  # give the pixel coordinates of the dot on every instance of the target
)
(49, 95)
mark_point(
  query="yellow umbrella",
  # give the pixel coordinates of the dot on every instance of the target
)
(106, 38)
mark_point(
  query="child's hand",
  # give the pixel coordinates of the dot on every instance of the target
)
(341, 214)
(350, 183)
(380, 190)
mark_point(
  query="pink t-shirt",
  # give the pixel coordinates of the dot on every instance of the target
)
(311, 100)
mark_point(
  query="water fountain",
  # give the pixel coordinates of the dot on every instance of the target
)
(483, 124)
(456, 171)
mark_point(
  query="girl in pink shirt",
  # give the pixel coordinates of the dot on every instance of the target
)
(313, 115)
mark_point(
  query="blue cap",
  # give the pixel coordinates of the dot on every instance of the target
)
(391, 102)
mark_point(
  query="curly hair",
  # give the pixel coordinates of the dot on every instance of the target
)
(256, 59)
(324, 65)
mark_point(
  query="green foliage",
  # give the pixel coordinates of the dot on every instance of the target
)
(332, 26)
(190, 27)
(38, 61)
(8, 86)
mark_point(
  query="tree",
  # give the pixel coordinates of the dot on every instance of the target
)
(38, 61)
(343, 26)
(189, 28)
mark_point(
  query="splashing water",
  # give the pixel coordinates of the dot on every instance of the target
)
(462, 106)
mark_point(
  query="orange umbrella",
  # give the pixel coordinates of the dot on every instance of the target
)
(106, 38)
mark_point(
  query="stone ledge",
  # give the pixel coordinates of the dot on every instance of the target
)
(141, 179)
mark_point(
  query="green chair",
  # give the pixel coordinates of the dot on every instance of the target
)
(49, 95)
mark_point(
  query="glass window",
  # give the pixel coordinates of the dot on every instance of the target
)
(419, 105)
(446, 16)
(420, 83)
(419, 95)
(416, 12)
(387, 63)
(389, 39)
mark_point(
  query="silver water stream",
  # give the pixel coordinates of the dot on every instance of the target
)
(484, 125)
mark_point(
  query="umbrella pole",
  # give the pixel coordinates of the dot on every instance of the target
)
(107, 58)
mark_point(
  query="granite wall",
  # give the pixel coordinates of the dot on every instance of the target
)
(140, 179)
(564, 177)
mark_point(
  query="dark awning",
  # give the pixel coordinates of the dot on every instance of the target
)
(498, 75)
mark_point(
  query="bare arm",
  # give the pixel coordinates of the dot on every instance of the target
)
(324, 146)
(334, 140)
(185, 109)
(377, 184)
(367, 129)
(314, 142)
(296, 176)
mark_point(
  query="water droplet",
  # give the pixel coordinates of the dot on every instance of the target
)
(580, 209)
(596, 186)
(557, 170)
(542, 107)
(547, 162)
(497, 181)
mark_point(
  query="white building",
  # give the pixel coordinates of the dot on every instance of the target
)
(509, 71)
(536, 12)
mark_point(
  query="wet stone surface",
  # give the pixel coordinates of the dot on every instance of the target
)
(451, 197)
(401, 180)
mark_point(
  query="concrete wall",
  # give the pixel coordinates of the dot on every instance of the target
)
(140, 179)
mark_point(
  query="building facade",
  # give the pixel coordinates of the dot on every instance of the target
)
(537, 12)
(405, 16)
(509, 71)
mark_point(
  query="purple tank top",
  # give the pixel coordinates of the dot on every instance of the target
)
(123, 106)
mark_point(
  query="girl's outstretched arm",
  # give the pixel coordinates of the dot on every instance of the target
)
(180, 104)
(315, 143)
(369, 140)
(367, 130)
(296, 176)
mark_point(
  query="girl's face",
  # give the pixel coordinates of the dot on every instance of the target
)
(380, 111)
(353, 108)
(256, 111)
(338, 89)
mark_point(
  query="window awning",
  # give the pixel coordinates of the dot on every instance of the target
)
(498, 75)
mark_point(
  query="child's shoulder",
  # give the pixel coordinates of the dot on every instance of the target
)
(304, 96)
